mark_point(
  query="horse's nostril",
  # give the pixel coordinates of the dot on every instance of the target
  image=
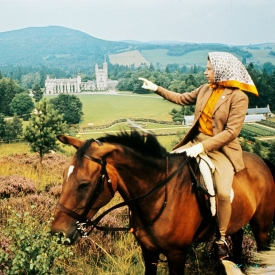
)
(60, 237)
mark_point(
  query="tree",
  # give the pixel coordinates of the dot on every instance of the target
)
(69, 106)
(268, 67)
(151, 67)
(2, 126)
(22, 105)
(13, 129)
(37, 93)
(258, 148)
(29, 80)
(8, 89)
(45, 125)
(245, 146)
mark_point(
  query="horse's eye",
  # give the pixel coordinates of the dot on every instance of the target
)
(83, 185)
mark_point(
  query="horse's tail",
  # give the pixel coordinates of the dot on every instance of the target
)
(271, 167)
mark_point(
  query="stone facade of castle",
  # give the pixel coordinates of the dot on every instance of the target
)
(75, 85)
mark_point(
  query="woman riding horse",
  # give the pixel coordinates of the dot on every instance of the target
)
(158, 187)
(220, 111)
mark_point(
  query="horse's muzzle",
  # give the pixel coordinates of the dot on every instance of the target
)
(66, 238)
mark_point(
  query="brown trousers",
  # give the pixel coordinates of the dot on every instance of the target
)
(223, 176)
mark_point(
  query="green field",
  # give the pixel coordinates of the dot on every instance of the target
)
(161, 58)
(262, 56)
(102, 109)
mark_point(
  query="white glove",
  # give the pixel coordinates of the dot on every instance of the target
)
(148, 85)
(194, 150)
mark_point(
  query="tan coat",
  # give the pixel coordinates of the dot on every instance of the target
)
(227, 120)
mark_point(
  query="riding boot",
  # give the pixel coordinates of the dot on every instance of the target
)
(221, 249)
(223, 216)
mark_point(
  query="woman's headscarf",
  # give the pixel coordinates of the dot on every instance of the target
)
(230, 72)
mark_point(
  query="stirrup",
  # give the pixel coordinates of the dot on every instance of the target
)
(221, 250)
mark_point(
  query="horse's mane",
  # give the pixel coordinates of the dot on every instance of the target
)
(146, 145)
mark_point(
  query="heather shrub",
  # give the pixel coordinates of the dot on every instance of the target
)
(55, 190)
(27, 165)
(15, 186)
(27, 247)
(43, 210)
(50, 161)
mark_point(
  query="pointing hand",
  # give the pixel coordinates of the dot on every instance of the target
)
(148, 85)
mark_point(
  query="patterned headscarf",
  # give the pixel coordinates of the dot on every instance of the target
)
(230, 72)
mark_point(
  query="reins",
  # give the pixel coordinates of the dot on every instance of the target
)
(139, 199)
(83, 223)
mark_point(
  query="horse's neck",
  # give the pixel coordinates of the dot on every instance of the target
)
(138, 176)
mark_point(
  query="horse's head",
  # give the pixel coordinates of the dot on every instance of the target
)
(88, 184)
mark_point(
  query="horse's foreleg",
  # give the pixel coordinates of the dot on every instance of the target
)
(150, 260)
(237, 240)
(176, 262)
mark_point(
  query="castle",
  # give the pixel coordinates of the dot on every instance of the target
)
(75, 85)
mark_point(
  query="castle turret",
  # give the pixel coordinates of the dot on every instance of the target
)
(101, 76)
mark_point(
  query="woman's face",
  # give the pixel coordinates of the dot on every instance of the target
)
(209, 73)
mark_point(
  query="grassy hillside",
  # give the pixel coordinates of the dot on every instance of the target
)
(128, 58)
(261, 56)
(160, 58)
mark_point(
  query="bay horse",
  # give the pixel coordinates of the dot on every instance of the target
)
(158, 187)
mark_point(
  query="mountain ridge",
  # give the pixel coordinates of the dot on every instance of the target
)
(62, 47)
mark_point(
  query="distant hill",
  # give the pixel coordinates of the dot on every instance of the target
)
(54, 46)
(59, 47)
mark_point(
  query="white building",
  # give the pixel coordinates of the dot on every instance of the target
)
(253, 115)
(188, 120)
(62, 85)
(75, 85)
(254, 118)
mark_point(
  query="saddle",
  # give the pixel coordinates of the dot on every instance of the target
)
(205, 179)
(202, 170)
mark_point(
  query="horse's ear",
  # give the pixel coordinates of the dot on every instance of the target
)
(76, 143)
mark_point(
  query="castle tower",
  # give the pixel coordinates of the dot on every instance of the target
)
(101, 76)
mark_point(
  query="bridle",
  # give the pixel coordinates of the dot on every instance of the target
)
(83, 224)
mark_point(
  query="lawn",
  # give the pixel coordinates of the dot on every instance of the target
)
(102, 109)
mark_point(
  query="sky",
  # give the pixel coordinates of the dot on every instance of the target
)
(232, 22)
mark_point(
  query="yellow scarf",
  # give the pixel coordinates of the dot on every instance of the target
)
(205, 120)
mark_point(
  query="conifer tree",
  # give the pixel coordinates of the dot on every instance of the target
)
(45, 125)
(37, 93)
(2, 126)
(13, 129)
